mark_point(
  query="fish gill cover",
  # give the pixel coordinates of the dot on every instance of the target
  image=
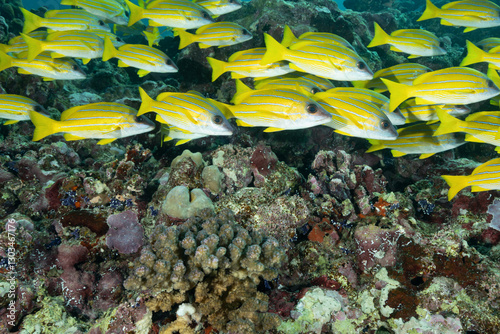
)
(217, 166)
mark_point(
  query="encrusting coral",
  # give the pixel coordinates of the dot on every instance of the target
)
(215, 262)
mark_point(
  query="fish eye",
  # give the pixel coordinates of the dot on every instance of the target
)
(385, 125)
(168, 62)
(315, 90)
(136, 119)
(217, 119)
(312, 108)
(118, 39)
(245, 32)
(37, 108)
(361, 65)
(74, 68)
(441, 44)
(205, 15)
(490, 83)
(101, 23)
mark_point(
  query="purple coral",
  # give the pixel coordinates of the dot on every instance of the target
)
(125, 234)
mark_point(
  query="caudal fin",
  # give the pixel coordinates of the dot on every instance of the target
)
(399, 93)
(186, 38)
(449, 124)
(456, 183)
(274, 51)
(146, 102)
(474, 55)
(44, 126)
(430, 12)
(31, 21)
(380, 37)
(35, 47)
(288, 37)
(218, 67)
(5, 61)
(109, 50)
(136, 13)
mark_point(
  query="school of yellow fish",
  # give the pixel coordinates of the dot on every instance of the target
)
(292, 87)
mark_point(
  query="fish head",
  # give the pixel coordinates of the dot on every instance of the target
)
(220, 125)
(169, 66)
(73, 71)
(138, 125)
(312, 113)
(381, 128)
(396, 117)
(358, 71)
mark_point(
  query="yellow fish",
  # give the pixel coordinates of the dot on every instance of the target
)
(69, 43)
(428, 112)
(16, 108)
(219, 7)
(370, 96)
(170, 13)
(483, 178)
(472, 14)
(489, 43)
(479, 127)
(17, 44)
(403, 73)
(107, 121)
(246, 63)
(276, 109)
(63, 19)
(322, 59)
(147, 59)
(453, 85)
(476, 55)
(214, 34)
(320, 37)
(416, 42)
(308, 79)
(190, 112)
(355, 118)
(108, 10)
(418, 139)
(182, 136)
(45, 66)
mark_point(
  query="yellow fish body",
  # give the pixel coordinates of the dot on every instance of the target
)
(63, 19)
(214, 34)
(479, 127)
(190, 112)
(368, 95)
(320, 37)
(416, 42)
(489, 43)
(108, 10)
(246, 63)
(453, 85)
(17, 44)
(68, 43)
(322, 59)
(418, 139)
(310, 85)
(147, 59)
(182, 136)
(276, 109)
(170, 13)
(428, 112)
(45, 66)
(219, 7)
(16, 108)
(310, 79)
(476, 55)
(107, 121)
(355, 118)
(484, 177)
(471, 14)
(403, 73)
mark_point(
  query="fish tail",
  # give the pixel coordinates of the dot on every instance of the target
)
(5, 61)
(380, 37)
(186, 38)
(449, 124)
(35, 47)
(474, 55)
(430, 12)
(274, 51)
(218, 67)
(31, 21)
(146, 102)
(44, 126)
(456, 183)
(241, 91)
(109, 50)
(493, 75)
(399, 93)
(288, 37)
(376, 146)
(136, 13)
